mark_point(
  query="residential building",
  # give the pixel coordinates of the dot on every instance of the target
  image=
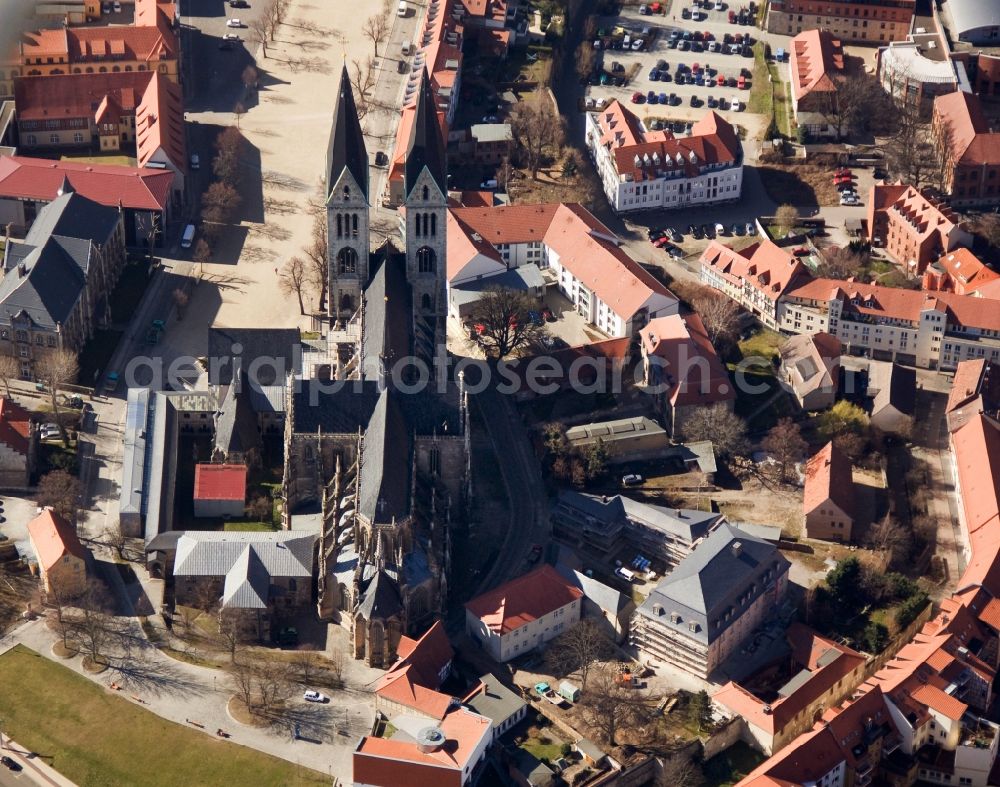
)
(756, 277)
(917, 70)
(704, 609)
(852, 21)
(62, 559)
(146, 196)
(414, 752)
(523, 614)
(219, 490)
(570, 246)
(412, 684)
(815, 68)
(259, 573)
(828, 503)
(975, 389)
(487, 20)
(913, 227)
(972, 22)
(984, 71)
(493, 142)
(647, 170)
(18, 446)
(56, 284)
(962, 273)
(618, 526)
(928, 330)
(682, 372)
(810, 368)
(494, 701)
(971, 148)
(893, 389)
(140, 113)
(822, 674)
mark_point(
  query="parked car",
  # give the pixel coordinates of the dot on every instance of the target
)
(632, 479)
(654, 75)
(720, 229)
(234, 22)
(675, 252)
(737, 106)
(9, 764)
(637, 98)
(311, 695)
(736, 229)
(663, 99)
(712, 103)
(239, 4)
(675, 236)
(655, 232)
(751, 228)
(706, 231)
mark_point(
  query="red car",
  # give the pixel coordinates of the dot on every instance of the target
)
(707, 36)
(732, 17)
(662, 241)
(720, 81)
(695, 68)
(843, 179)
(741, 83)
(638, 98)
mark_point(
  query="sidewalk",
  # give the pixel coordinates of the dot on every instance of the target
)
(35, 769)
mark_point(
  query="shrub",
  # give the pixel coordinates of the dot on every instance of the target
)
(910, 608)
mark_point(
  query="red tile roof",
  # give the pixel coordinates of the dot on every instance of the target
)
(828, 477)
(972, 142)
(765, 266)
(524, 599)
(53, 537)
(977, 460)
(415, 677)
(991, 614)
(965, 385)
(77, 95)
(220, 482)
(159, 123)
(816, 58)
(508, 224)
(966, 271)
(936, 699)
(22, 177)
(15, 426)
(693, 372)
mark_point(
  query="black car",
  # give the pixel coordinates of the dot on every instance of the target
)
(707, 231)
(675, 100)
(225, 45)
(239, 4)
(684, 46)
(691, 229)
(661, 64)
(675, 252)
(712, 103)
(655, 232)
(9, 764)
(746, 51)
(620, 81)
(697, 46)
(697, 234)
(685, 13)
(672, 43)
(694, 101)
(665, 76)
(736, 229)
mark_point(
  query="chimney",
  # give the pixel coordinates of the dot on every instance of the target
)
(737, 549)
(22, 270)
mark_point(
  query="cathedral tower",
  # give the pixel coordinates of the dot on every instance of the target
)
(347, 207)
(426, 201)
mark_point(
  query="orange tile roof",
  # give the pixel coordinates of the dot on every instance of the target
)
(45, 43)
(15, 425)
(220, 482)
(147, 43)
(53, 537)
(159, 123)
(765, 266)
(991, 614)
(828, 477)
(806, 760)
(972, 141)
(966, 270)
(509, 224)
(936, 699)
(77, 95)
(816, 59)
(965, 385)
(977, 460)
(524, 599)
(692, 367)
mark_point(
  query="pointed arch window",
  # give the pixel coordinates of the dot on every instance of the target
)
(347, 261)
(426, 260)
(425, 302)
(354, 225)
(417, 218)
(347, 193)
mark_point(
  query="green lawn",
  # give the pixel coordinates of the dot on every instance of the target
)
(94, 737)
(761, 101)
(543, 751)
(782, 106)
(249, 525)
(763, 343)
(111, 160)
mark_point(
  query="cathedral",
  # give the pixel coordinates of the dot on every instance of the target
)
(382, 462)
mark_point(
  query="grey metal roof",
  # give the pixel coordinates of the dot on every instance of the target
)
(267, 398)
(685, 523)
(346, 149)
(214, 553)
(52, 283)
(388, 312)
(897, 387)
(495, 701)
(524, 277)
(386, 456)
(72, 215)
(713, 581)
(971, 15)
(236, 429)
(255, 348)
(492, 132)
(132, 491)
(247, 582)
(381, 598)
(426, 145)
(605, 597)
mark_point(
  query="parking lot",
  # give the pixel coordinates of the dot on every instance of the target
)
(676, 46)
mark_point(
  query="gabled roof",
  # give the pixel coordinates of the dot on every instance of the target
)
(15, 426)
(40, 179)
(159, 123)
(283, 345)
(247, 582)
(814, 359)
(384, 484)
(50, 283)
(78, 95)
(523, 600)
(236, 430)
(817, 59)
(688, 366)
(53, 537)
(214, 553)
(828, 478)
(72, 215)
(896, 385)
(977, 460)
(426, 148)
(380, 599)
(219, 482)
(972, 142)
(766, 266)
(416, 676)
(346, 148)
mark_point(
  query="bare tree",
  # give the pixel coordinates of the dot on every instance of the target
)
(259, 29)
(577, 649)
(889, 535)
(10, 369)
(375, 29)
(236, 627)
(726, 430)
(987, 226)
(115, 538)
(335, 666)
(94, 628)
(57, 368)
(910, 151)
(315, 254)
(506, 323)
(363, 77)
(239, 110)
(273, 686)
(610, 704)
(785, 218)
(856, 105)
(537, 130)
(719, 314)
(294, 278)
(841, 262)
(586, 59)
(202, 252)
(60, 491)
(180, 299)
(241, 676)
(679, 770)
(784, 443)
(149, 226)
(228, 149)
(219, 202)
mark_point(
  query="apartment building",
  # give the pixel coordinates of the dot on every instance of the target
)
(810, 369)
(815, 66)
(852, 21)
(607, 526)
(913, 227)
(971, 147)
(756, 277)
(704, 609)
(18, 445)
(645, 170)
(566, 243)
(523, 614)
(962, 273)
(56, 283)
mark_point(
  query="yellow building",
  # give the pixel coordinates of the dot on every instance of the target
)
(62, 559)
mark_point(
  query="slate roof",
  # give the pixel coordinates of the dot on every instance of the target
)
(72, 215)
(236, 426)
(346, 149)
(247, 582)
(710, 581)
(380, 599)
(426, 148)
(897, 388)
(384, 483)
(250, 344)
(214, 553)
(388, 309)
(491, 699)
(53, 281)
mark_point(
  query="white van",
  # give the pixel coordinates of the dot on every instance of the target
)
(403, 9)
(625, 574)
(188, 237)
(407, 48)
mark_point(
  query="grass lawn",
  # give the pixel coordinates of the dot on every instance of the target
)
(96, 738)
(543, 751)
(782, 107)
(246, 525)
(761, 100)
(96, 354)
(727, 768)
(764, 343)
(118, 161)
